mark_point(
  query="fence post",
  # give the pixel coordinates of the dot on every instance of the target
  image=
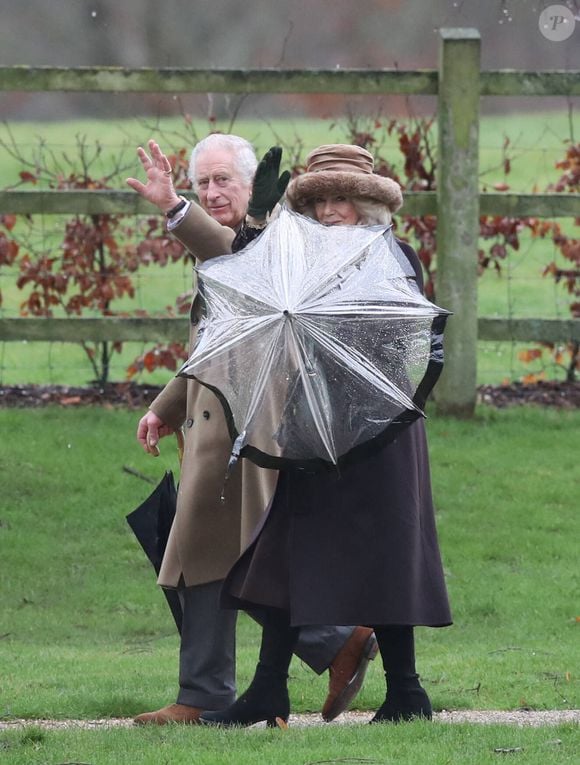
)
(458, 216)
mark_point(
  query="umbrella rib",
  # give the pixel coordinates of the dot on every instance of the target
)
(311, 396)
(211, 353)
(262, 375)
(217, 286)
(372, 310)
(360, 364)
(346, 264)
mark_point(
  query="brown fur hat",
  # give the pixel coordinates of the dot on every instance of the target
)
(341, 169)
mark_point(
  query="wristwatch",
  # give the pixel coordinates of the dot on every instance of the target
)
(174, 210)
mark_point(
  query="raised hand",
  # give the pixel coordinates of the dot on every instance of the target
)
(268, 188)
(159, 189)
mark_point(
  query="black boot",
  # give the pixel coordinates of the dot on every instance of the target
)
(267, 696)
(265, 699)
(406, 699)
(402, 705)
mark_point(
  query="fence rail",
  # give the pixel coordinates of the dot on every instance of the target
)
(458, 83)
(168, 330)
(422, 82)
(416, 203)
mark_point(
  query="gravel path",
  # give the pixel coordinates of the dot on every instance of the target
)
(533, 719)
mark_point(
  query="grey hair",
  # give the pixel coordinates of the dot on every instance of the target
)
(242, 151)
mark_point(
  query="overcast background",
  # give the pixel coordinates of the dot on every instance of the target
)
(260, 33)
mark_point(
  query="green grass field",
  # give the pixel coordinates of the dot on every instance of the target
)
(85, 632)
(355, 745)
(519, 291)
(537, 140)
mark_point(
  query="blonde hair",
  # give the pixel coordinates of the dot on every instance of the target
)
(371, 212)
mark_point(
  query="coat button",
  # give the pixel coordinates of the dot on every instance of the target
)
(206, 415)
(189, 422)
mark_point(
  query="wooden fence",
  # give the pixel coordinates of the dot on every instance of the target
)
(458, 84)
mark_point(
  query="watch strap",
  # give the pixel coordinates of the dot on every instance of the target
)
(174, 210)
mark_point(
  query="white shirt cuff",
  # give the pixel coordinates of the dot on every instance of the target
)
(178, 217)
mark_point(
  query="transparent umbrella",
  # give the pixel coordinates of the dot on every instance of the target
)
(317, 342)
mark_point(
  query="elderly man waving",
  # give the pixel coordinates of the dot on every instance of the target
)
(207, 536)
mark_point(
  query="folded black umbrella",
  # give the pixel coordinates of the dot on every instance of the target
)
(151, 523)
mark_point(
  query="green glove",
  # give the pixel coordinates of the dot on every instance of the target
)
(268, 188)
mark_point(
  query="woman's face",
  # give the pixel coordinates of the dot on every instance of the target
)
(335, 210)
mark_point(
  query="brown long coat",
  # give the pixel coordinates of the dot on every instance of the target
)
(208, 533)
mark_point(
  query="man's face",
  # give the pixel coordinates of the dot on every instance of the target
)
(222, 192)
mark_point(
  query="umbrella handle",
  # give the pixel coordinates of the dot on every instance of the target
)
(154, 449)
(180, 444)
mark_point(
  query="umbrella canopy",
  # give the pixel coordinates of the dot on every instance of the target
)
(316, 340)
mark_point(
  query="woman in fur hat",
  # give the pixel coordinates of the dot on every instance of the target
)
(358, 548)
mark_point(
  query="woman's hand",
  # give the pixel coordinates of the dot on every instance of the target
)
(159, 189)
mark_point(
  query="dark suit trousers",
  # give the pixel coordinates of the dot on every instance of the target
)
(207, 657)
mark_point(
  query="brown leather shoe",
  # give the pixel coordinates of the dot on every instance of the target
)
(174, 713)
(347, 671)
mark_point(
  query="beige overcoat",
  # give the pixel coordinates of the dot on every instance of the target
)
(215, 519)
